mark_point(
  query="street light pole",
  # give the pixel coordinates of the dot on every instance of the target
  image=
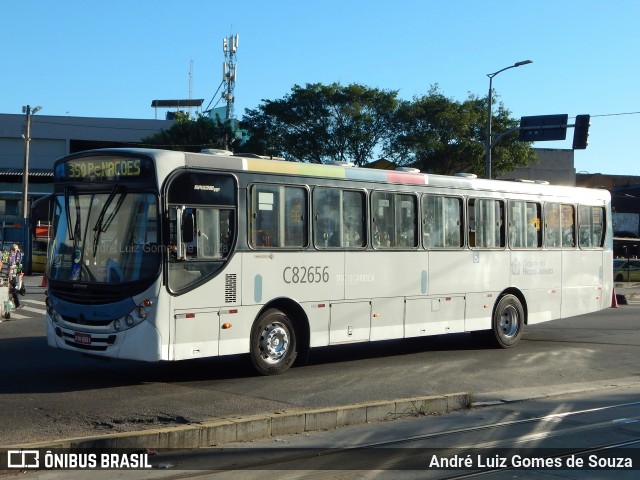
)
(26, 244)
(489, 114)
(25, 175)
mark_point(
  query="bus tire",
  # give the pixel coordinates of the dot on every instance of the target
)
(273, 343)
(508, 322)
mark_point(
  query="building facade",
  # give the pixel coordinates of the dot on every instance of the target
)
(52, 137)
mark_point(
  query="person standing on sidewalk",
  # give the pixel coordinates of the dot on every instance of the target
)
(14, 261)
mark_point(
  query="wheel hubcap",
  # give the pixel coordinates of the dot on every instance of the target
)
(274, 343)
(509, 321)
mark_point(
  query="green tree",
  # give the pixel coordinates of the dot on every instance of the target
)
(194, 135)
(444, 136)
(319, 124)
(323, 123)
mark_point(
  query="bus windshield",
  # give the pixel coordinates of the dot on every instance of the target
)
(106, 238)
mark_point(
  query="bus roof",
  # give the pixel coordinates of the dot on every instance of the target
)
(254, 163)
(347, 172)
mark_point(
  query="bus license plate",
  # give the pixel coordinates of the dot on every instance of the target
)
(83, 338)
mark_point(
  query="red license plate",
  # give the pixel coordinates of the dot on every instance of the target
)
(82, 338)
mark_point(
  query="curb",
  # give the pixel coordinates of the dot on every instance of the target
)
(265, 426)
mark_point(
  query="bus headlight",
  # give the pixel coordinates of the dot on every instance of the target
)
(55, 316)
(117, 324)
(129, 321)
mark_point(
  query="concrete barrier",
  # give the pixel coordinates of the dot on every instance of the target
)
(245, 429)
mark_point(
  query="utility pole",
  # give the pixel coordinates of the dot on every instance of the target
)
(25, 187)
(25, 175)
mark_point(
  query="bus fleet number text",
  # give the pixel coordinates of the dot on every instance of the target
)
(305, 274)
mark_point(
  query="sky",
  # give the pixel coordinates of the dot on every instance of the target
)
(112, 58)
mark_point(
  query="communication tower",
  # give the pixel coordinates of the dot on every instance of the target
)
(229, 71)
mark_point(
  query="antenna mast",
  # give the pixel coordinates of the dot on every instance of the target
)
(190, 83)
(229, 69)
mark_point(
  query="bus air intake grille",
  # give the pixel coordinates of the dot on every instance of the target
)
(230, 288)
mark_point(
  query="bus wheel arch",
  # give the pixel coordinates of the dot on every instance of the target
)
(279, 335)
(508, 319)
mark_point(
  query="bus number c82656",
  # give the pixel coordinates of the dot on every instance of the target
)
(303, 274)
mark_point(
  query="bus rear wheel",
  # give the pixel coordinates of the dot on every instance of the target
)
(508, 322)
(273, 343)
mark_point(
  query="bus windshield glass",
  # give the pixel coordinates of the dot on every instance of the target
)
(107, 238)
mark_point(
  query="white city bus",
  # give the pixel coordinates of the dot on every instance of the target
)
(163, 255)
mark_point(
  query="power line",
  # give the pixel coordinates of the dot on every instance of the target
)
(615, 114)
(214, 96)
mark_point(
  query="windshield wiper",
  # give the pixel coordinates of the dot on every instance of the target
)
(98, 228)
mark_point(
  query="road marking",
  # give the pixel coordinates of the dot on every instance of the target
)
(37, 302)
(34, 310)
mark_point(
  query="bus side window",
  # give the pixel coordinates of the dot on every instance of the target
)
(278, 216)
(486, 223)
(567, 221)
(552, 228)
(590, 226)
(339, 218)
(265, 205)
(524, 225)
(394, 221)
(353, 219)
(442, 222)
(406, 221)
(326, 214)
(382, 214)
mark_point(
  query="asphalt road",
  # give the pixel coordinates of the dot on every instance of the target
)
(47, 394)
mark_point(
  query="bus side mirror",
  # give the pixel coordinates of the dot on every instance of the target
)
(187, 227)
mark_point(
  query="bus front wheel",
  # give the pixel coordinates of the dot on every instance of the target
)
(273, 343)
(508, 321)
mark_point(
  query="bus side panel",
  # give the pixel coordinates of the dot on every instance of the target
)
(196, 333)
(479, 308)
(387, 318)
(468, 271)
(318, 314)
(543, 304)
(582, 273)
(607, 279)
(236, 339)
(434, 316)
(383, 274)
(350, 322)
(538, 275)
(302, 276)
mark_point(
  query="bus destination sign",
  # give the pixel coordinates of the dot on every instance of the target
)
(103, 169)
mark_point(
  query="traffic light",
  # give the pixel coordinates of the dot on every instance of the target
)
(581, 132)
